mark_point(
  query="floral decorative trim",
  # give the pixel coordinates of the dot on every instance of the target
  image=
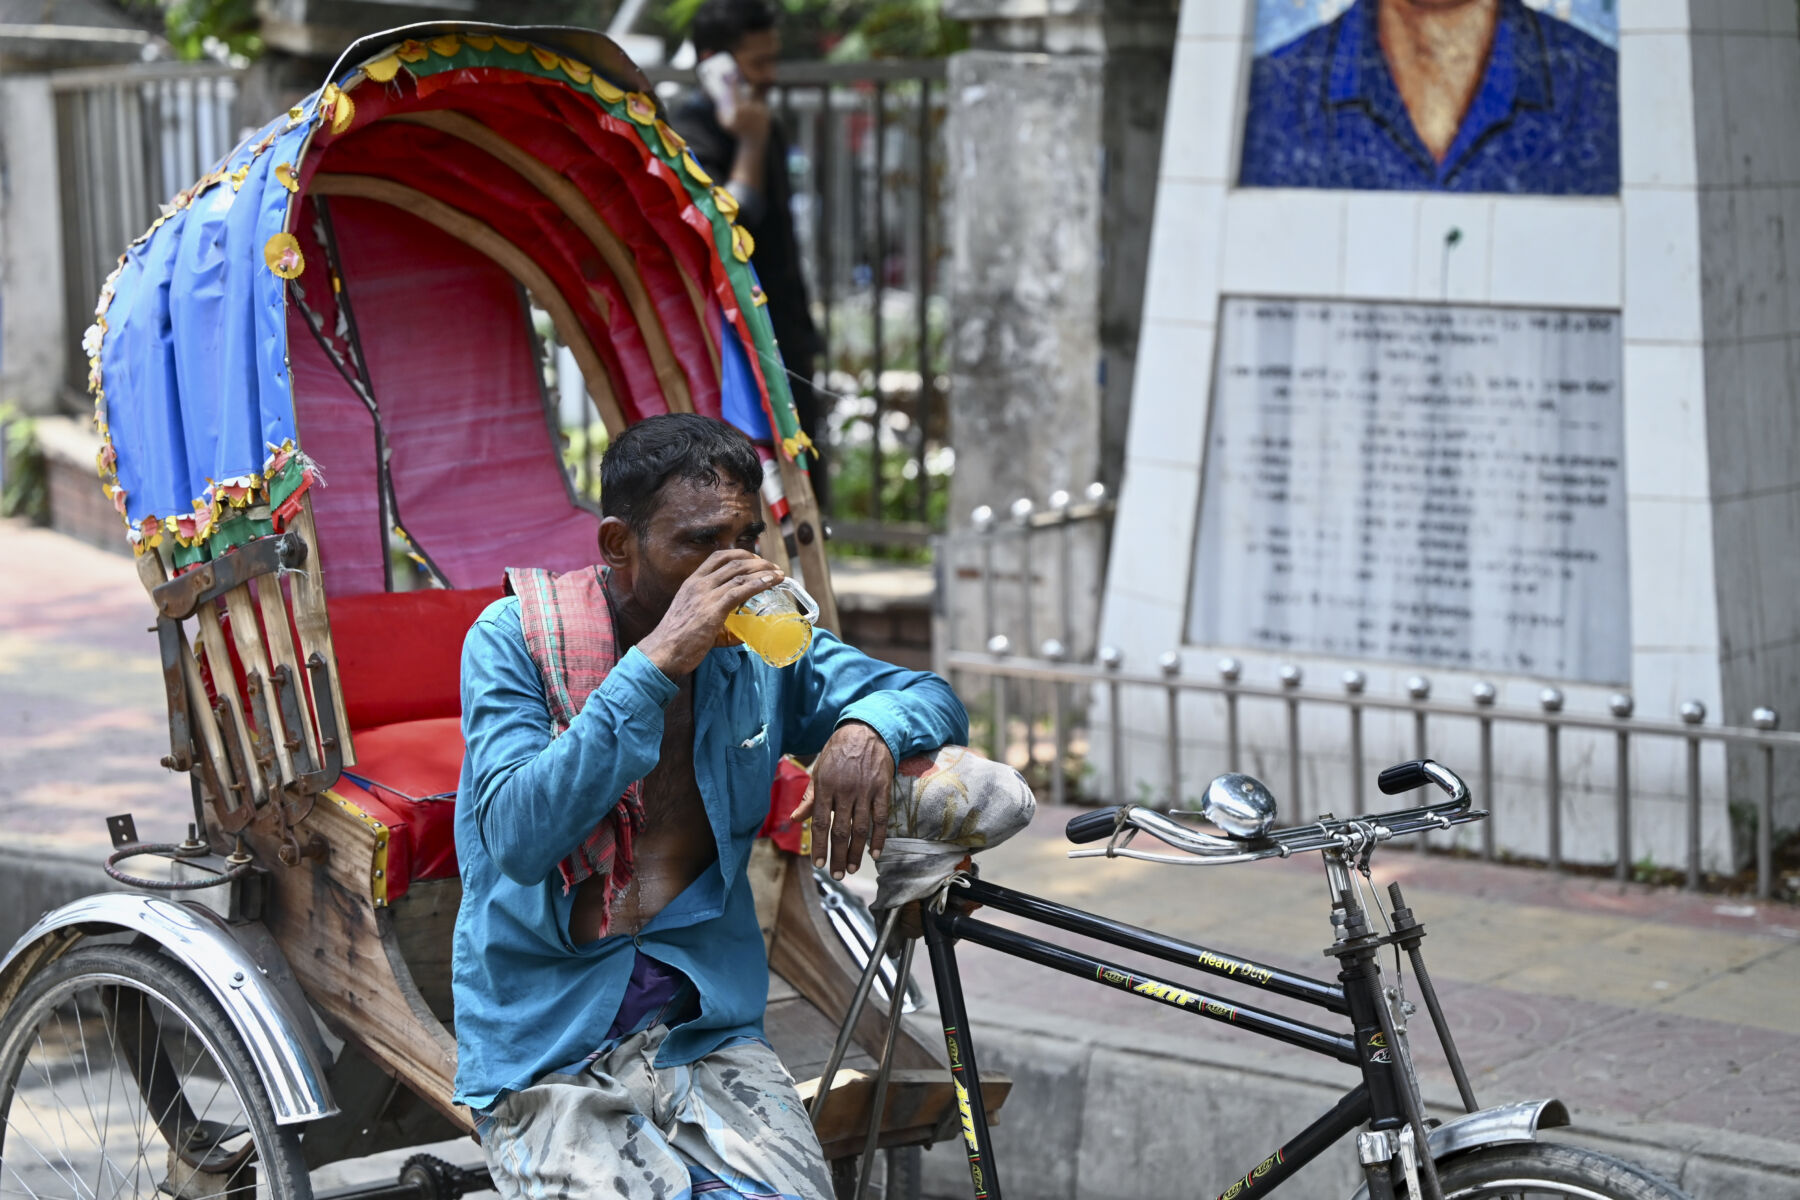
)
(713, 205)
(262, 503)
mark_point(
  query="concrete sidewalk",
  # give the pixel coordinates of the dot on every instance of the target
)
(1669, 1023)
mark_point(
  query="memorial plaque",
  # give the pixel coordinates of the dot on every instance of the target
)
(1431, 484)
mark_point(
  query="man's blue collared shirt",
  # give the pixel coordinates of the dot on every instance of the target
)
(528, 999)
(1324, 113)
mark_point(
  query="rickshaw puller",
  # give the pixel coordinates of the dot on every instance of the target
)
(609, 973)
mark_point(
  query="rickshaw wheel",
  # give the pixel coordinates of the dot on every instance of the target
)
(900, 1175)
(121, 1075)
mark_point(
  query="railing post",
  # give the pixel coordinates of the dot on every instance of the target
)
(1354, 683)
(1022, 509)
(1419, 689)
(1622, 705)
(1231, 670)
(1552, 700)
(981, 519)
(1054, 651)
(1484, 694)
(922, 308)
(1291, 677)
(1112, 659)
(1766, 719)
(999, 646)
(1059, 504)
(878, 357)
(1693, 712)
(1170, 663)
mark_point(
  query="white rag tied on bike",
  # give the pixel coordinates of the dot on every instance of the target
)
(944, 806)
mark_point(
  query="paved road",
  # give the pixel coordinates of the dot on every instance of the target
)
(1662, 1017)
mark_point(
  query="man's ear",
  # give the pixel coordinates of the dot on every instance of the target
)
(618, 544)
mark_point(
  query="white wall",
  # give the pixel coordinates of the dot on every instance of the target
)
(1640, 253)
(33, 341)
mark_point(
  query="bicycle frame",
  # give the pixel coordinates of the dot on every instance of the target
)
(1377, 1100)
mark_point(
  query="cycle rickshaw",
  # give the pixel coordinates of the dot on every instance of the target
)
(319, 377)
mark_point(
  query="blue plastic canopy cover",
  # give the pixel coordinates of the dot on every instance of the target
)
(740, 399)
(192, 392)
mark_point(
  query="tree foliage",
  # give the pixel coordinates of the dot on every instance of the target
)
(850, 29)
(199, 29)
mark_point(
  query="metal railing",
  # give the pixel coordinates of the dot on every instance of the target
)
(869, 202)
(128, 138)
(1012, 676)
(871, 231)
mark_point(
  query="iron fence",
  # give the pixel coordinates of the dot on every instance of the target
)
(1042, 698)
(128, 138)
(869, 206)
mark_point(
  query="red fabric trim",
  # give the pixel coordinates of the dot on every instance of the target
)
(399, 656)
(788, 790)
(403, 762)
(565, 130)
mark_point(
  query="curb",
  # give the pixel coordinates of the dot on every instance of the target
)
(1095, 1115)
(32, 884)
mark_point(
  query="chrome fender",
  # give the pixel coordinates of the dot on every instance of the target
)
(283, 1043)
(1490, 1127)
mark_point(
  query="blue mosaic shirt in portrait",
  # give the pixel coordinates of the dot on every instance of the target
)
(1324, 112)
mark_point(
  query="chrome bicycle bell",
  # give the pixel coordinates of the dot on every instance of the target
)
(1240, 805)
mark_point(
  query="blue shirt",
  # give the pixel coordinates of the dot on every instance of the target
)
(1324, 113)
(528, 999)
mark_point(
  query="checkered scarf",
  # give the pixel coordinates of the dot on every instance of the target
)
(569, 633)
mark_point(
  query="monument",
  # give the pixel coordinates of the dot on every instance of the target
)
(1481, 375)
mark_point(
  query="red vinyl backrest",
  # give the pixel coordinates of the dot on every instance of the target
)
(399, 654)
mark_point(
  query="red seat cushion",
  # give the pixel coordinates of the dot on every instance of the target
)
(405, 777)
(399, 654)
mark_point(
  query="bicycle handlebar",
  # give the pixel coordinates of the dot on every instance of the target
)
(1328, 832)
(1094, 826)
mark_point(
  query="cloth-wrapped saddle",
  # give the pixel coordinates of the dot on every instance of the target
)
(944, 806)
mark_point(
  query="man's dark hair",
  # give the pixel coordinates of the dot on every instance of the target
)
(672, 446)
(719, 24)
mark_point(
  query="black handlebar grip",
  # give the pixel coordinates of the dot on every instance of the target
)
(1094, 826)
(1403, 777)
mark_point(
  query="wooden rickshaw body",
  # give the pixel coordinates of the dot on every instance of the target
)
(328, 433)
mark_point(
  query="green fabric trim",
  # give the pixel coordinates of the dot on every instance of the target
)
(234, 531)
(740, 276)
(285, 482)
(187, 556)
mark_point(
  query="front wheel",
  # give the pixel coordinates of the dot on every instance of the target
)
(120, 1075)
(1531, 1170)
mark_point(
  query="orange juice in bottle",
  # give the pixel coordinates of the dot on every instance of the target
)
(777, 624)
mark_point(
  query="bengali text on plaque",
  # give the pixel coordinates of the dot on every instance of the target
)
(1430, 484)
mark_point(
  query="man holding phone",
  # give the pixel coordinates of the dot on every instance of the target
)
(730, 130)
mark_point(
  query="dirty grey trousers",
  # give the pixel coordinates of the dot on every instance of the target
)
(623, 1128)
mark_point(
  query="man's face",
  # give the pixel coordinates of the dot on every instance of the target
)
(756, 54)
(691, 521)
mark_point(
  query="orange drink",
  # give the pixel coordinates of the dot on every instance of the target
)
(776, 624)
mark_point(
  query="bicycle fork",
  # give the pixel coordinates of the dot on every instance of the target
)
(1396, 1145)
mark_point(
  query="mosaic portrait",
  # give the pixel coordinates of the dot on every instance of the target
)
(1435, 95)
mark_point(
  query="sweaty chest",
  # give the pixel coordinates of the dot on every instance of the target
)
(671, 790)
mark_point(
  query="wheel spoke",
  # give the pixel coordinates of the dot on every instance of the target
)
(177, 1082)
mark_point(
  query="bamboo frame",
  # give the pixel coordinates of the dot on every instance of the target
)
(576, 206)
(255, 657)
(313, 622)
(280, 639)
(484, 239)
(152, 573)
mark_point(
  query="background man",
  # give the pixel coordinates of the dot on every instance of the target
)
(747, 148)
(609, 974)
